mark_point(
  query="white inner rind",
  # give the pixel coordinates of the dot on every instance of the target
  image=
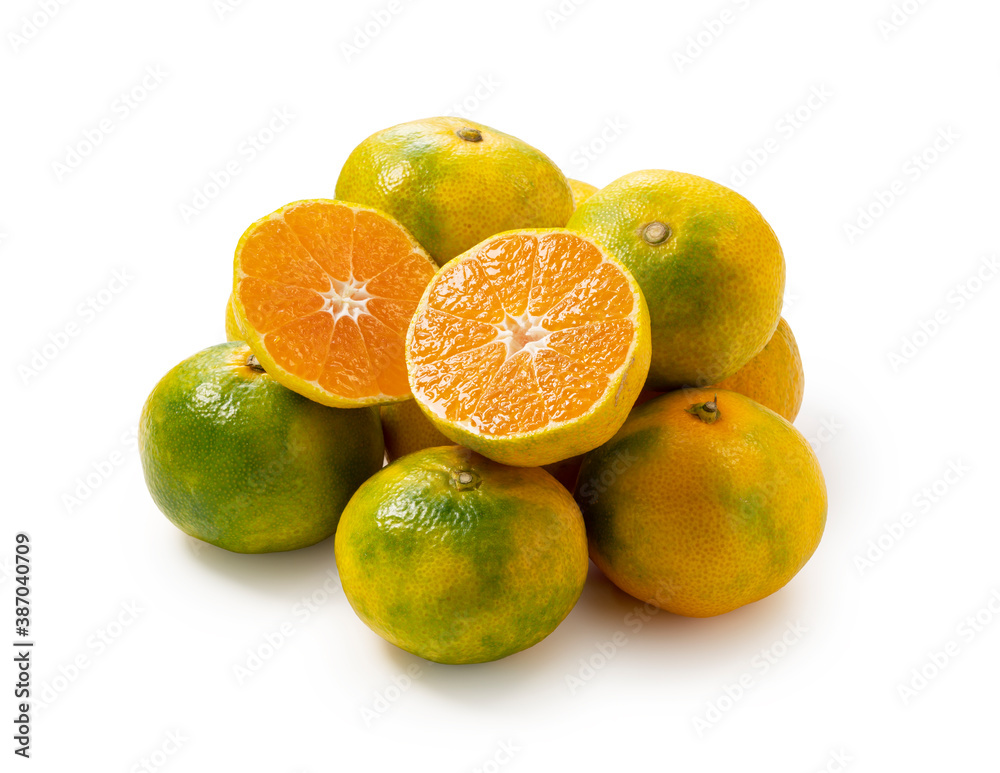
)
(524, 333)
(346, 299)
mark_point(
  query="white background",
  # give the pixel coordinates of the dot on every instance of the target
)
(559, 76)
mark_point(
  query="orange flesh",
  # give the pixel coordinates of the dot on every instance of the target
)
(526, 332)
(331, 290)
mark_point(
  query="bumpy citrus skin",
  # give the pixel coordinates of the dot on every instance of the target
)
(233, 458)
(407, 430)
(458, 559)
(702, 518)
(714, 285)
(581, 191)
(774, 378)
(233, 332)
(450, 192)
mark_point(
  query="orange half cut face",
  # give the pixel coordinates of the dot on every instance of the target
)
(324, 292)
(529, 346)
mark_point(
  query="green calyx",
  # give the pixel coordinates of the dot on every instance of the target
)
(707, 412)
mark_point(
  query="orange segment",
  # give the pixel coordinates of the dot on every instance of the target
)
(453, 386)
(399, 281)
(438, 335)
(270, 305)
(381, 244)
(325, 291)
(386, 354)
(509, 262)
(464, 289)
(568, 387)
(531, 348)
(562, 261)
(512, 401)
(276, 254)
(395, 315)
(604, 294)
(302, 345)
(326, 233)
(341, 372)
(602, 345)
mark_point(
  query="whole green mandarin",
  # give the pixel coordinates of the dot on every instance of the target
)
(709, 266)
(237, 460)
(454, 182)
(459, 559)
(704, 501)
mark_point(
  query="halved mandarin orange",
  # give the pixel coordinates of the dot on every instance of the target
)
(529, 348)
(323, 292)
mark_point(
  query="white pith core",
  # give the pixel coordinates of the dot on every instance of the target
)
(346, 299)
(525, 332)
